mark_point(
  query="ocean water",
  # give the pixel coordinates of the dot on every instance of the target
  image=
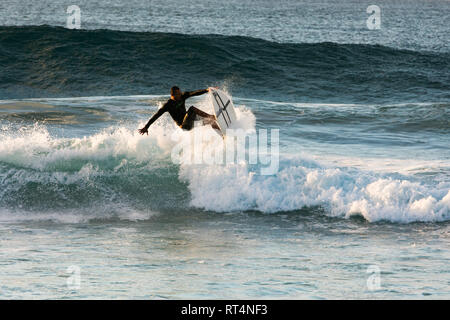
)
(358, 208)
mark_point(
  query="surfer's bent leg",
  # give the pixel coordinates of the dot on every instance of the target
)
(188, 121)
(210, 119)
(201, 113)
(189, 118)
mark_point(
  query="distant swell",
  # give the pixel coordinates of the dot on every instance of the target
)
(44, 61)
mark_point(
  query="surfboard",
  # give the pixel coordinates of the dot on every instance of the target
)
(223, 109)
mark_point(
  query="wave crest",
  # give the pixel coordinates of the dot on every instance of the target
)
(57, 62)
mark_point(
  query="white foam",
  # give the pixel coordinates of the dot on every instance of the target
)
(76, 215)
(342, 193)
(87, 98)
(35, 148)
(300, 182)
(303, 182)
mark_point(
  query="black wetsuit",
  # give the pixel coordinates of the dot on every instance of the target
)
(177, 110)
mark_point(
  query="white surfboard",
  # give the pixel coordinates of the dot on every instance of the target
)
(223, 109)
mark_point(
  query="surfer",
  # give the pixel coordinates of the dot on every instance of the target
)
(177, 109)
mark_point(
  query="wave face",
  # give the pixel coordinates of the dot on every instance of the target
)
(44, 61)
(105, 175)
(364, 129)
(115, 172)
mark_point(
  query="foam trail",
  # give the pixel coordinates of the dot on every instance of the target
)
(301, 182)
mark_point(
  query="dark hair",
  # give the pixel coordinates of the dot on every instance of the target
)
(173, 89)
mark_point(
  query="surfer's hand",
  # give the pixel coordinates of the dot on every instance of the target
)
(143, 130)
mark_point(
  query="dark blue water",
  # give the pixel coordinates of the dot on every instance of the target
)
(49, 61)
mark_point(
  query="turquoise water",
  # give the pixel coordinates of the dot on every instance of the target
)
(203, 255)
(362, 190)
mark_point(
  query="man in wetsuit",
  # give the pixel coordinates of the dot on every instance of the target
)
(177, 109)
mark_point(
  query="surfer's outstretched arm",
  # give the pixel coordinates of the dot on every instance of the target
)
(189, 94)
(155, 117)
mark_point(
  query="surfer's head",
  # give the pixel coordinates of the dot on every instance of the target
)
(175, 93)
